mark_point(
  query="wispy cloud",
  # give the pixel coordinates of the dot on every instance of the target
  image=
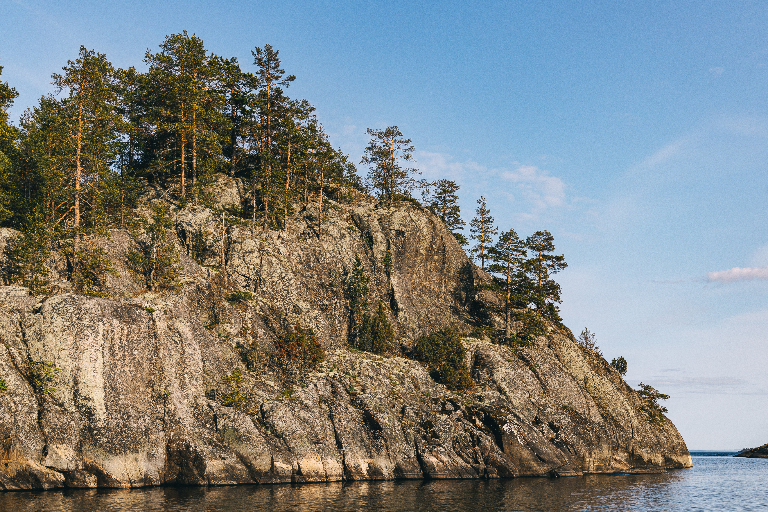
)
(441, 165)
(664, 154)
(738, 274)
(532, 190)
(716, 71)
(722, 385)
(537, 186)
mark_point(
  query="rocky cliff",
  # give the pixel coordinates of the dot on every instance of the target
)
(125, 390)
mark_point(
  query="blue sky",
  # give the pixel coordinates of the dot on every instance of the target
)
(636, 132)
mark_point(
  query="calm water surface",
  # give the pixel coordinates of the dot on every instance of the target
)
(714, 483)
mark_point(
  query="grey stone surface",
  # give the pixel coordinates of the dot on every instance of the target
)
(135, 400)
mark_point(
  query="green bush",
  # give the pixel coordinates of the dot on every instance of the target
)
(239, 296)
(620, 364)
(300, 346)
(154, 257)
(650, 397)
(3, 386)
(41, 374)
(91, 267)
(446, 358)
(25, 258)
(387, 262)
(197, 246)
(236, 396)
(375, 333)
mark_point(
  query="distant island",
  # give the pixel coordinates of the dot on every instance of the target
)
(761, 452)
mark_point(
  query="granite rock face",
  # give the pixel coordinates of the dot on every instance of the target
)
(126, 391)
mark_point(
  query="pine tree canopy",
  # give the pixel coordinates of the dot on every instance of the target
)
(444, 202)
(482, 230)
(540, 266)
(385, 156)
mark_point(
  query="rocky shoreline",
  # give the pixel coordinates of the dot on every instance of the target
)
(125, 390)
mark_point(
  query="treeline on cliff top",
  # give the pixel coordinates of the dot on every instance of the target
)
(75, 164)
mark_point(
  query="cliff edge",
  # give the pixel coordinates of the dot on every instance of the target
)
(125, 390)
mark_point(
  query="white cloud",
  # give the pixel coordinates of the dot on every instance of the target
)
(440, 165)
(738, 274)
(527, 191)
(664, 154)
(537, 186)
(716, 71)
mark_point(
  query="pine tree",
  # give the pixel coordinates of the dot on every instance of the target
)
(9, 154)
(182, 104)
(272, 106)
(507, 260)
(91, 117)
(155, 257)
(482, 230)
(385, 155)
(444, 203)
(539, 267)
(43, 173)
(238, 110)
(375, 333)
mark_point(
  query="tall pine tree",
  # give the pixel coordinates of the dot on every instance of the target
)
(91, 118)
(270, 79)
(182, 103)
(508, 261)
(444, 202)
(385, 155)
(540, 267)
(483, 230)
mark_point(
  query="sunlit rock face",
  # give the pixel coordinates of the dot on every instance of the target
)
(125, 390)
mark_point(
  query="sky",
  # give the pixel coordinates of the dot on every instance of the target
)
(636, 132)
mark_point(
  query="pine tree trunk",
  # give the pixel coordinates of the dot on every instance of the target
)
(507, 330)
(233, 133)
(78, 180)
(287, 184)
(183, 157)
(320, 216)
(194, 151)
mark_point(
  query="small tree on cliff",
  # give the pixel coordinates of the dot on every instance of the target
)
(385, 155)
(508, 260)
(541, 265)
(444, 203)
(650, 397)
(482, 230)
(155, 256)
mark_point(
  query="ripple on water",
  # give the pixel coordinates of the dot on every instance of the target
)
(714, 483)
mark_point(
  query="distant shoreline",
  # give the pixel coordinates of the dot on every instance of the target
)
(713, 453)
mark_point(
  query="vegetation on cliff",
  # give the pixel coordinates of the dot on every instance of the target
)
(227, 195)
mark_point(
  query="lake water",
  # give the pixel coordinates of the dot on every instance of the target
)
(714, 483)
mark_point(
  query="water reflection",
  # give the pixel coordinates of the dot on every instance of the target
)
(713, 483)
